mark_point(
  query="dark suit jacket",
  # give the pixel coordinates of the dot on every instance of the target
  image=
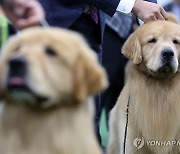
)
(63, 13)
(168, 7)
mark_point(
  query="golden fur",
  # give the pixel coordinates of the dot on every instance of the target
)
(154, 107)
(172, 18)
(67, 76)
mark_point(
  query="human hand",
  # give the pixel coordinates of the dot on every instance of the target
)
(23, 13)
(148, 11)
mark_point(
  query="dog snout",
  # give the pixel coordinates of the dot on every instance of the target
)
(167, 54)
(17, 66)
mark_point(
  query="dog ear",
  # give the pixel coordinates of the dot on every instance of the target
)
(172, 18)
(132, 49)
(90, 77)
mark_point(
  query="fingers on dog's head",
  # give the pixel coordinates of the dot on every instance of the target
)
(132, 48)
(90, 77)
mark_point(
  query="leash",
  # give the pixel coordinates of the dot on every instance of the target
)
(126, 127)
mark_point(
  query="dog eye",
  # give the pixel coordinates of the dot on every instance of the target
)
(175, 41)
(153, 40)
(50, 52)
(17, 48)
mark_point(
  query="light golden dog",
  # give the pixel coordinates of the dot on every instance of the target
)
(152, 91)
(47, 78)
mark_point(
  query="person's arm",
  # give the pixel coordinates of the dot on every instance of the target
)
(23, 13)
(144, 10)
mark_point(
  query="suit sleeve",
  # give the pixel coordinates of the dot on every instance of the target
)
(109, 6)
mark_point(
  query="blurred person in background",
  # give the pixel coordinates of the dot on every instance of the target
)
(112, 60)
(174, 7)
(84, 16)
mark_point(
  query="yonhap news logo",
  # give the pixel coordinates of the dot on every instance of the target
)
(140, 142)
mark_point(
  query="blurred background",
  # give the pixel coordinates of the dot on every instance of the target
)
(164, 2)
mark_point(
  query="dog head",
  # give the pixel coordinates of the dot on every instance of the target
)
(155, 48)
(47, 66)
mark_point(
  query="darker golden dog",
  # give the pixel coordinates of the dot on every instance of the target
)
(152, 91)
(47, 79)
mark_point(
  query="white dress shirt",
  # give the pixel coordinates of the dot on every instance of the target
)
(125, 6)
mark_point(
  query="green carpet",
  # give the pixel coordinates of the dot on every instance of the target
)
(103, 129)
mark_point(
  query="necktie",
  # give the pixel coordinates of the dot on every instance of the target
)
(94, 14)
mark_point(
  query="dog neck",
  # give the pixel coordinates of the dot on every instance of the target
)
(155, 102)
(28, 131)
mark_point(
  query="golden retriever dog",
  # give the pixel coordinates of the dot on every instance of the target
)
(146, 118)
(47, 79)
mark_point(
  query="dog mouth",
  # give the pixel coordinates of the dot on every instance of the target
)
(166, 68)
(20, 92)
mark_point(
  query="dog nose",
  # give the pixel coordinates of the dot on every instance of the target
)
(17, 66)
(167, 54)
